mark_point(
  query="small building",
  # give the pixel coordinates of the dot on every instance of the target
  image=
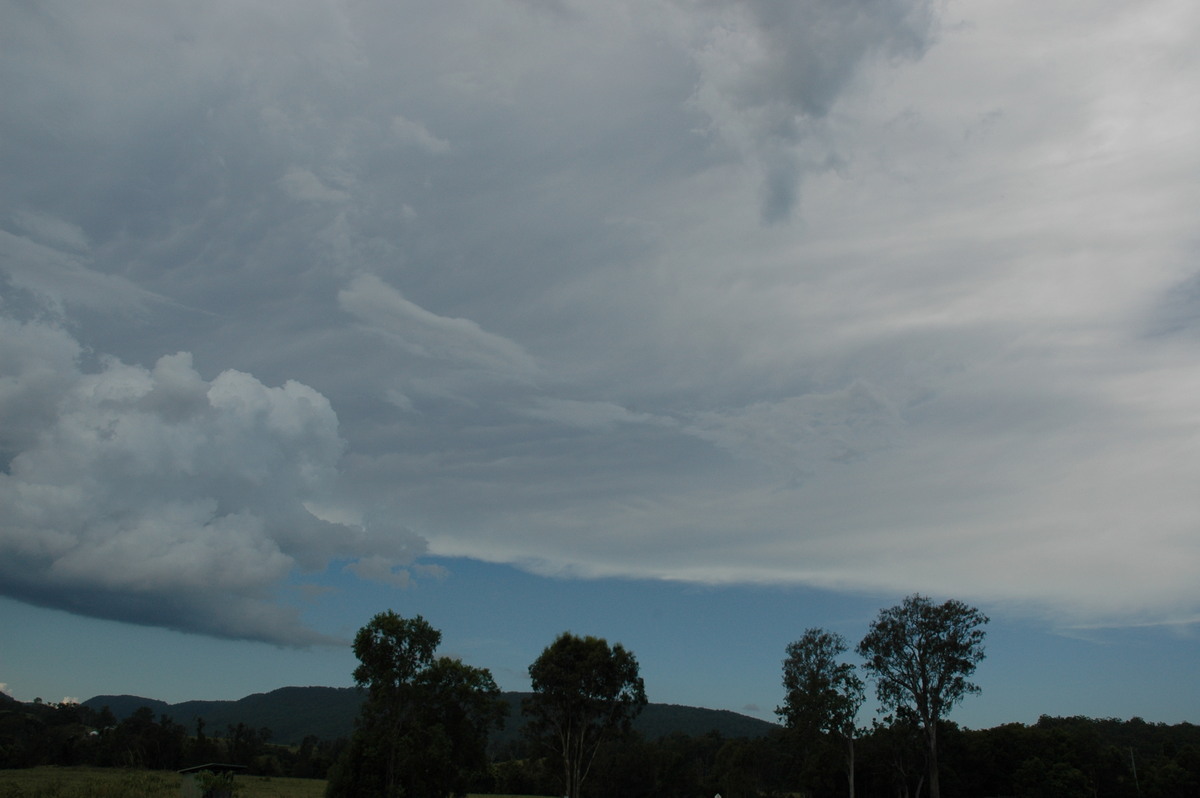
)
(214, 780)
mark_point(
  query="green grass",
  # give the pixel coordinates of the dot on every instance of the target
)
(58, 782)
(55, 782)
(279, 787)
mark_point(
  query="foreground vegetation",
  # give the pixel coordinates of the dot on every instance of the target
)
(49, 781)
(90, 782)
(1059, 757)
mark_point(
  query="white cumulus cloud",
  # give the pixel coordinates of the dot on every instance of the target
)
(134, 491)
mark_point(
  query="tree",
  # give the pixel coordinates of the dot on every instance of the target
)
(1036, 779)
(822, 695)
(583, 692)
(921, 654)
(425, 720)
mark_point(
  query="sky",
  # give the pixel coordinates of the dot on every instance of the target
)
(691, 324)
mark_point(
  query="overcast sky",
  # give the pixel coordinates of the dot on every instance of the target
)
(310, 312)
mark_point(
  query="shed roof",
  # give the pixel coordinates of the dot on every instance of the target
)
(213, 767)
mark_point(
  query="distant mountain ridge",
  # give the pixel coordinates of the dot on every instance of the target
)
(293, 713)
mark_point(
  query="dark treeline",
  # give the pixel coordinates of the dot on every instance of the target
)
(72, 734)
(1053, 758)
(1060, 757)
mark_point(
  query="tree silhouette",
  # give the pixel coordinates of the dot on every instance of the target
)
(822, 694)
(921, 654)
(583, 691)
(425, 720)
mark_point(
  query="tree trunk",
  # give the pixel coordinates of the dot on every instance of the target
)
(850, 764)
(935, 788)
(569, 758)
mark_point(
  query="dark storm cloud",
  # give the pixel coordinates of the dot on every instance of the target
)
(773, 71)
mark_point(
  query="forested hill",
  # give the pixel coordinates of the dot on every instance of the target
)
(293, 713)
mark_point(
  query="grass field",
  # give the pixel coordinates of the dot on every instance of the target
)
(52, 782)
(55, 782)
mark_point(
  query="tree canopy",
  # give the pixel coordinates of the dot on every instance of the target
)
(425, 721)
(822, 694)
(920, 654)
(583, 691)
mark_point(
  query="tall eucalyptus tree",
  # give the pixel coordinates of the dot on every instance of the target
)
(920, 654)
